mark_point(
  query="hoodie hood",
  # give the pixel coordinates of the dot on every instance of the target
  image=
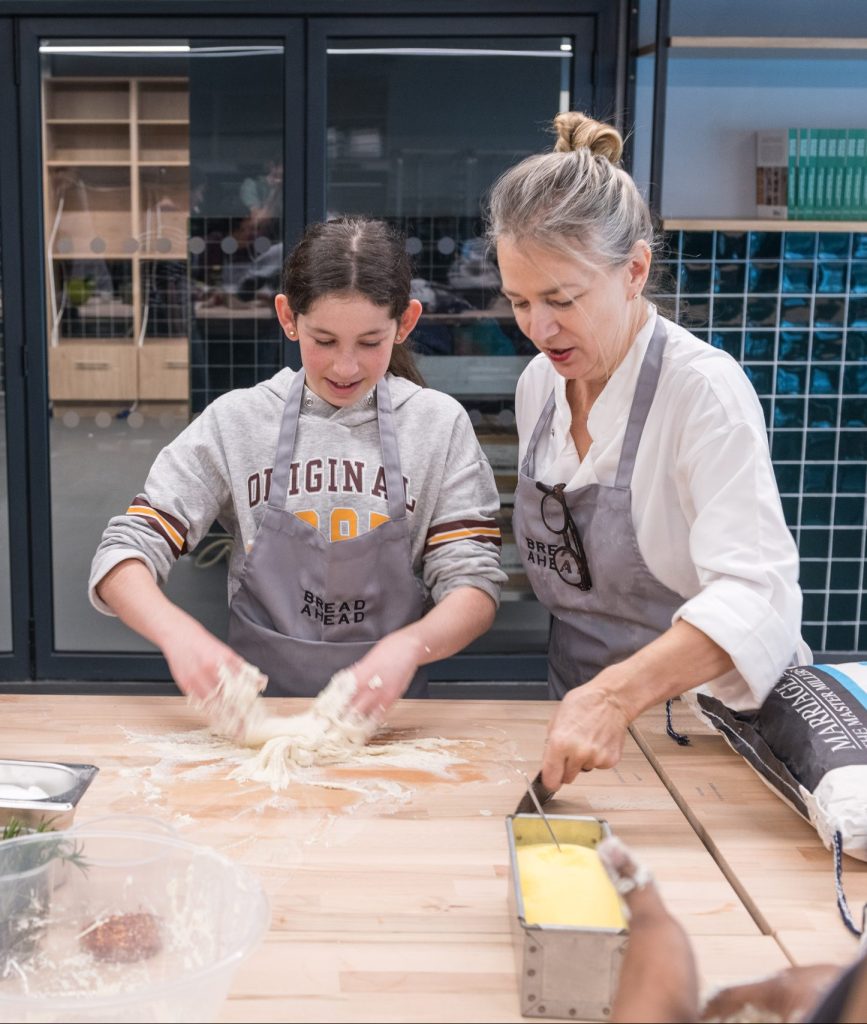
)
(361, 411)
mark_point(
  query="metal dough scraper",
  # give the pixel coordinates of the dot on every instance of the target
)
(531, 802)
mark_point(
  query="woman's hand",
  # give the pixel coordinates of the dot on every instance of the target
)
(587, 731)
(194, 658)
(589, 728)
(385, 672)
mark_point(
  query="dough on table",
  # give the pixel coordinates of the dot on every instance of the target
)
(330, 732)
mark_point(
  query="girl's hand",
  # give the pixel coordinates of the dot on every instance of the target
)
(194, 657)
(587, 731)
(385, 672)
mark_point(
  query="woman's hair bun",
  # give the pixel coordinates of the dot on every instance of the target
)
(578, 131)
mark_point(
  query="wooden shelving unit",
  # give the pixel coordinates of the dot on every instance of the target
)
(116, 194)
(812, 46)
(818, 42)
(757, 224)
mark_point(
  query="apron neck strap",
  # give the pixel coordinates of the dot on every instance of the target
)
(528, 466)
(390, 452)
(286, 443)
(645, 389)
(387, 439)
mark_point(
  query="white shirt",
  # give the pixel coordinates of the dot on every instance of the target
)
(705, 504)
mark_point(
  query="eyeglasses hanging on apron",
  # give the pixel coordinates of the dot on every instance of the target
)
(569, 559)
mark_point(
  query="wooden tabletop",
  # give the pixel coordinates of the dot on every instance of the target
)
(391, 904)
(778, 866)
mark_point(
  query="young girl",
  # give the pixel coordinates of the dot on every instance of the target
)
(360, 504)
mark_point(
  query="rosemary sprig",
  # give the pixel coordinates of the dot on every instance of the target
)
(36, 856)
(15, 828)
(25, 890)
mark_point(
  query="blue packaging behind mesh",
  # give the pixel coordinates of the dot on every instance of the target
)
(809, 742)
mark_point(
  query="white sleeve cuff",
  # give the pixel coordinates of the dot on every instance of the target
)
(750, 631)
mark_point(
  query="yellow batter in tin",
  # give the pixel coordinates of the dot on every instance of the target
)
(567, 886)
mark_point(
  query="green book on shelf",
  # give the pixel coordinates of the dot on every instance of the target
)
(792, 183)
(808, 148)
(801, 146)
(859, 175)
(836, 210)
(848, 205)
(826, 152)
(812, 167)
(855, 174)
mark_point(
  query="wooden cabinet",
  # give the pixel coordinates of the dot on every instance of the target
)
(93, 371)
(163, 371)
(116, 193)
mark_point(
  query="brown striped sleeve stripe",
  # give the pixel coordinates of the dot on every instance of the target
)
(168, 527)
(485, 530)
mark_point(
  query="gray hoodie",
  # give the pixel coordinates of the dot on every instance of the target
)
(219, 469)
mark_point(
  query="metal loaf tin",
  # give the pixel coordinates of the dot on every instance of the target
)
(65, 785)
(564, 971)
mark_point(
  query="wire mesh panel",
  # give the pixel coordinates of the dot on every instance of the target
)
(93, 299)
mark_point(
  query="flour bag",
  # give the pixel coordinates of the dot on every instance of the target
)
(808, 741)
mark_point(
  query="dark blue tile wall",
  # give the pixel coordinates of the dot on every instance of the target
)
(791, 307)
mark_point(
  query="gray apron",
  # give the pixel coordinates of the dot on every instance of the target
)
(306, 606)
(627, 606)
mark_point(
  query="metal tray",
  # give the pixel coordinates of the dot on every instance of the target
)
(65, 785)
(565, 971)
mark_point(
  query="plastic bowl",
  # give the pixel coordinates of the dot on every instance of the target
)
(106, 926)
(138, 824)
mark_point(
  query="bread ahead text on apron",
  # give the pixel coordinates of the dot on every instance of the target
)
(626, 606)
(306, 606)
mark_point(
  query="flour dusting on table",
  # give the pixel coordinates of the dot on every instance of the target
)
(330, 745)
(198, 754)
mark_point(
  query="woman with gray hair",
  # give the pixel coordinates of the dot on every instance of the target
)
(647, 513)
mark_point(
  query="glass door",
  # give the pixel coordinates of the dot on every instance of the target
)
(163, 170)
(419, 122)
(5, 575)
(14, 557)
